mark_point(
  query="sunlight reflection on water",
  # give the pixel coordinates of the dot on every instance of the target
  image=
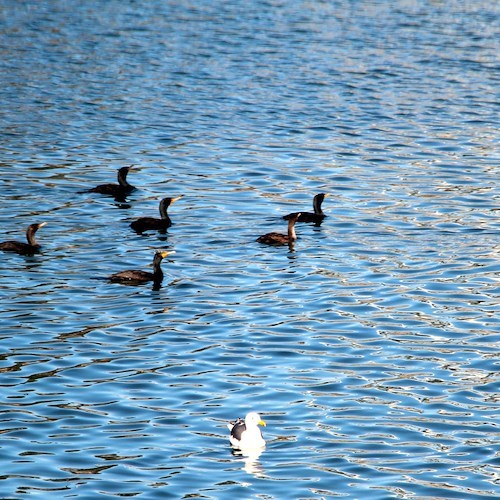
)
(371, 348)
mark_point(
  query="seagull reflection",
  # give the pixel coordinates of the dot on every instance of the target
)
(251, 461)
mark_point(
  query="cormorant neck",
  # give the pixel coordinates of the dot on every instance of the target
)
(317, 201)
(30, 236)
(291, 230)
(157, 272)
(163, 211)
(122, 179)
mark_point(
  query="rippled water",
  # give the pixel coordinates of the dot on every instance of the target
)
(371, 349)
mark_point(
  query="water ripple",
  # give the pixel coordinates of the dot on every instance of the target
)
(371, 347)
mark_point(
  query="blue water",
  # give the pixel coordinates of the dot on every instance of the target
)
(370, 348)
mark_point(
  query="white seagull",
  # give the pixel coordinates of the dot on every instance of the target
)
(246, 434)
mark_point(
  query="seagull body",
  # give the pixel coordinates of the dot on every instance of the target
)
(245, 434)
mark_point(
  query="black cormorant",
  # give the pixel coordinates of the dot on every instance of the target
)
(281, 239)
(136, 277)
(120, 190)
(317, 216)
(152, 223)
(29, 248)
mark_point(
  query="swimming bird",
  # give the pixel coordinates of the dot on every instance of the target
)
(120, 190)
(145, 223)
(317, 216)
(21, 248)
(136, 277)
(245, 434)
(281, 239)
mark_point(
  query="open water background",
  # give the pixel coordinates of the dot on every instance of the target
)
(371, 350)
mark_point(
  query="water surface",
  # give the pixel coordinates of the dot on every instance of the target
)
(371, 348)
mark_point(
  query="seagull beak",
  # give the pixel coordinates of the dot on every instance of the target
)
(261, 422)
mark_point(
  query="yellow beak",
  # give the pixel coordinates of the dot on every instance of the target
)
(261, 422)
(164, 254)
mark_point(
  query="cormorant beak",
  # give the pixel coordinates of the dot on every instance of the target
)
(178, 198)
(42, 224)
(261, 422)
(165, 254)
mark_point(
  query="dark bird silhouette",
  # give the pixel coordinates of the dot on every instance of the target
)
(317, 216)
(152, 223)
(281, 239)
(120, 190)
(136, 277)
(29, 248)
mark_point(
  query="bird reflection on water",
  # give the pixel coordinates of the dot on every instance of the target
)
(251, 462)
